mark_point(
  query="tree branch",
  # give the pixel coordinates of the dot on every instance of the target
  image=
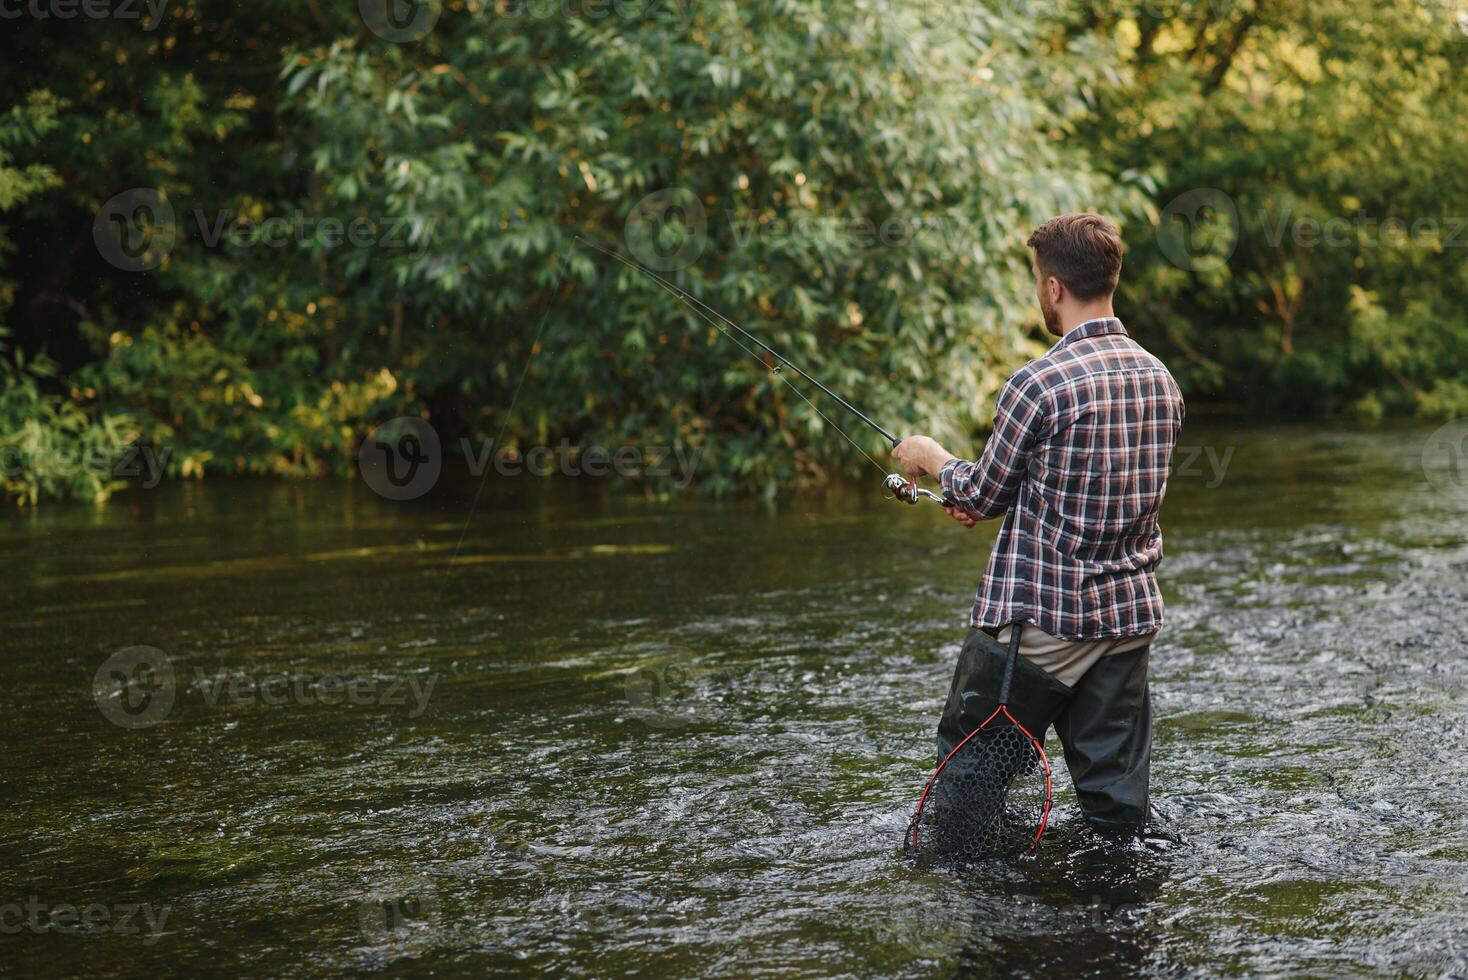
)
(1230, 50)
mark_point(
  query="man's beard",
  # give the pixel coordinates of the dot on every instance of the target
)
(1052, 318)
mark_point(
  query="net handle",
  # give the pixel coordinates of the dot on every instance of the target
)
(1014, 632)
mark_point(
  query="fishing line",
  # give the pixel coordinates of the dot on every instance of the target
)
(707, 313)
(690, 300)
(789, 384)
(904, 490)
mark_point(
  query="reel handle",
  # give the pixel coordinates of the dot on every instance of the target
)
(909, 492)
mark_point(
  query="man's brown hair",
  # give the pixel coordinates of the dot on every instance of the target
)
(1083, 251)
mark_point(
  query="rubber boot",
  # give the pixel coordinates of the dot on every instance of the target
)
(1107, 733)
(1035, 698)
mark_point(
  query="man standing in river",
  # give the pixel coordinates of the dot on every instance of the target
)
(1077, 463)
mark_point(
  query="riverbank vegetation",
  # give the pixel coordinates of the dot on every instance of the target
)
(247, 234)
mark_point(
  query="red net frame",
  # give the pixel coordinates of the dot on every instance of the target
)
(994, 775)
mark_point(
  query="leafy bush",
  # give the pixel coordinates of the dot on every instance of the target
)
(49, 446)
(852, 182)
(862, 182)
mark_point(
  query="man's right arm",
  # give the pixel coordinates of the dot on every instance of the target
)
(986, 488)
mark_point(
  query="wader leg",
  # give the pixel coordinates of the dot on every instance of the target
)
(1035, 698)
(1107, 733)
(966, 807)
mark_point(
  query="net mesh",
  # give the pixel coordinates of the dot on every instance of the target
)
(989, 800)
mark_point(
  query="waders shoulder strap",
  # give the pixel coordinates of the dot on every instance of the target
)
(1009, 661)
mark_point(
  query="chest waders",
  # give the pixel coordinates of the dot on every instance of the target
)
(1104, 722)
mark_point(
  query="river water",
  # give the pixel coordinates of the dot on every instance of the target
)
(610, 734)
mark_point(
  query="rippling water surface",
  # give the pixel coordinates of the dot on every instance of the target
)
(674, 737)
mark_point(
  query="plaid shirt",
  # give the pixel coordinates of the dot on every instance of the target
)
(1079, 457)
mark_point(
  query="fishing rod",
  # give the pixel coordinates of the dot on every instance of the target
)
(905, 490)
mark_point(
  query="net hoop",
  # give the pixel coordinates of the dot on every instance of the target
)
(1039, 750)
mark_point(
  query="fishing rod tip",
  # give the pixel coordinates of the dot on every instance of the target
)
(595, 246)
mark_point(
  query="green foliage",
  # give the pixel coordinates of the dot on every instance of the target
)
(20, 129)
(867, 174)
(49, 446)
(799, 136)
(1333, 127)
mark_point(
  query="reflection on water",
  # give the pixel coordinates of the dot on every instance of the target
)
(612, 734)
